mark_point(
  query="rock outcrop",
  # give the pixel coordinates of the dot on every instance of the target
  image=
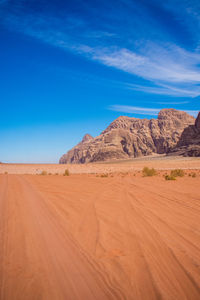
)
(189, 142)
(131, 137)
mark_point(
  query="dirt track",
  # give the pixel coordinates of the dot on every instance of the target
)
(86, 237)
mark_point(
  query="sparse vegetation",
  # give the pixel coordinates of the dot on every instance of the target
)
(148, 172)
(169, 177)
(43, 173)
(104, 175)
(5, 172)
(66, 173)
(177, 173)
(193, 175)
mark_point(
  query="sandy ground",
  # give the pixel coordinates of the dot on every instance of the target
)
(158, 162)
(87, 237)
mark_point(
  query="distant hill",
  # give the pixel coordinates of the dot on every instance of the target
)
(189, 142)
(129, 137)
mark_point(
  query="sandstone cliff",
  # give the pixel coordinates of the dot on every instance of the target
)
(131, 137)
(189, 142)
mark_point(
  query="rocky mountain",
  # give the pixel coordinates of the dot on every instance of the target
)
(131, 137)
(189, 142)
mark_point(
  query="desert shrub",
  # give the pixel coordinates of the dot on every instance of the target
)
(177, 173)
(5, 172)
(148, 172)
(49, 174)
(169, 177)
(56, 173)
(104, 175)
(43, 173)
(66, 173)
(194, 175)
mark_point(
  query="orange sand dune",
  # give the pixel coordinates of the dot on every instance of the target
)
(87, 237)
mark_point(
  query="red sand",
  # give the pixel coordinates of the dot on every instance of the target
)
(87, 237)
(159, 162)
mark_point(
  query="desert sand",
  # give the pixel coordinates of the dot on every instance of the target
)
(159, 162)
(90, 237)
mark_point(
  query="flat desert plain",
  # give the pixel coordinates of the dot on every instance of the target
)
(91, 236)
(158, 162)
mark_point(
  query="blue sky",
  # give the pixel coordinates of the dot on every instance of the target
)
(71, 67)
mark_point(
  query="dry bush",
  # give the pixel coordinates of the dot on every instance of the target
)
(66, 173)
(169, 177)
(177, 173)
(148, 172)
(43, 173)
(104, 175)
(193, 175)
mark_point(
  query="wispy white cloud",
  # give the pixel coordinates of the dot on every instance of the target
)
(99, 34)
(161, 89)
(172, 103)
(134, 109)
(169, 69)
(143, 110)
(173, 70)
(161, 65)
(188, 13)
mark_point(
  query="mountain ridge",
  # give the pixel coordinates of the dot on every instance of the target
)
(129, 137)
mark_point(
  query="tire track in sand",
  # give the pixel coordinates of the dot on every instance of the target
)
(40, 262)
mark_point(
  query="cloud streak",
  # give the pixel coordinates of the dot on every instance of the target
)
(161, 67)
(163, 89)
(143, 110)
(174, 71)
(173, 103)
(167, 68)
(135, 110)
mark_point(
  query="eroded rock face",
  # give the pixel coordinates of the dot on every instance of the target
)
(132, 137)
(189, 142)
(197, 122)
(87, 137)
